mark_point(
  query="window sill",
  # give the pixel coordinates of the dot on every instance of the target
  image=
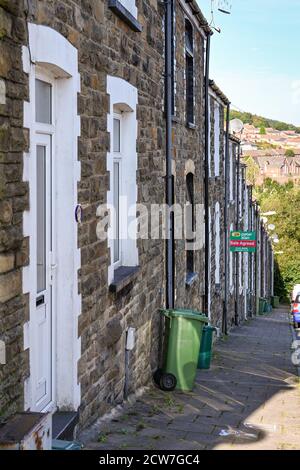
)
(175, 118)
(123, 276)
(191, 125)
(125, 15)
(190, 279)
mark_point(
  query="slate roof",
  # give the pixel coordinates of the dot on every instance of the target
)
(218, 92)
(275, 162)
(270, 153)
(199, 15)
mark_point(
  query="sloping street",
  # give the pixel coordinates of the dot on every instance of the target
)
(249, 399)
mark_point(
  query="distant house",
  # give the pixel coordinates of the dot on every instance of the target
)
(275, 165)
(248, 146)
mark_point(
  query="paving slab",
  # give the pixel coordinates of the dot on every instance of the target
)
(248, 400)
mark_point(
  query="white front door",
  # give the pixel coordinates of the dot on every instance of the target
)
(52, 169)
(44, 316)
(44, 293)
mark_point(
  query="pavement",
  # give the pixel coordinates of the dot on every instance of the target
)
(248, 400)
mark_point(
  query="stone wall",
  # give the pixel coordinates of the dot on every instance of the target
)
(188, 154)
(106, 46)
(217, 195)
(13, 201)
(232, 222)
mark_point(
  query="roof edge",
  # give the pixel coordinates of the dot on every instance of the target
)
(234, 138)
(203, 23)
(218, 92)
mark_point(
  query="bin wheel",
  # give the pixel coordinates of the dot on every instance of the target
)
(167, 382)
(157, 375)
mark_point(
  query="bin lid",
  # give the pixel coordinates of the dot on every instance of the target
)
(190, 314)
(209, 328)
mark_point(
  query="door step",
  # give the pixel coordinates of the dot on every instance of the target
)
(63, 425)
(59, 444)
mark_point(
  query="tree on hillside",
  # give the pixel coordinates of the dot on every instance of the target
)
(252, 169)
(284, 199)
(265, 145)
(289, 153)
(259, 121)
(262, 131)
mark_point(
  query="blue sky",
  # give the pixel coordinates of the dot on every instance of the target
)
(256, 58)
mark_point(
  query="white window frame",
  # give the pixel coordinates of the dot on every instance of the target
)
(209, 136)
(231, 156)
(240, 271)
(231, 265)
(118, 158)
(217, 138)
(123, 101)
(240, 189)
(190, 54)
(209, 265)
(217, 243)
(130, 6)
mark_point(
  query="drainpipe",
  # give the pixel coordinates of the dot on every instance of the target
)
(272, 270)
(251, 254)
(262, 258)
(169, 179)
(237, 223)
(256, 260)
(226, 231)
(206, 180)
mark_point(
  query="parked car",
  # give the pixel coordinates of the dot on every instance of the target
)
(296, 311)
(296, 291)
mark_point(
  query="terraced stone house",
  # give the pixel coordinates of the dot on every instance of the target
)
(84, 137)
(82, 125)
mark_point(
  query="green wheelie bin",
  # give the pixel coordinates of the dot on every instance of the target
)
(266, 306)
(205, 353)
(275, 301)
(261, 306)
(184, 332)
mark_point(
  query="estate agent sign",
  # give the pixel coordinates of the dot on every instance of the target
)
(244, 242)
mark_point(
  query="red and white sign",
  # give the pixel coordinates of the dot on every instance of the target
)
(243, 243)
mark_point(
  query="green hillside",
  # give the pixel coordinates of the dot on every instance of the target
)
(261, 122)
(283, 199)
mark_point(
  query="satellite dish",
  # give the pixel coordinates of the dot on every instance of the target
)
(275, 238)
(264, 219)
(271, 227)
(224, 7)
(236, 126)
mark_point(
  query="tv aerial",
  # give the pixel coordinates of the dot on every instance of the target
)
(224, 7)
